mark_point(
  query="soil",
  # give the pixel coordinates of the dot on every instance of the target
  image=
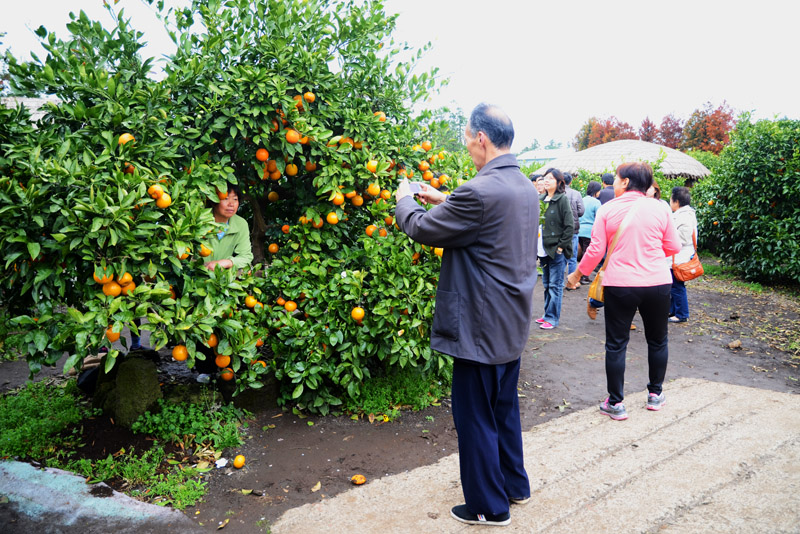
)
(734, 335)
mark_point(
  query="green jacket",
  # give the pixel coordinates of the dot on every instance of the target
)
(234, 245)
(559, 225)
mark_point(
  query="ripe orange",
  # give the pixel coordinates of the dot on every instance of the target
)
(386, 194)
(112, 289)
(185, 254)
(111, 335)
(259, 362)
(275, 126)
(272, 165)
(441, 154)
(155, 191)
(164, 201)
(338, 199)
(381, 116)
(286, 228)
(371, 229)
(435, 183)
(317, 223)
(292, 136)
(710, 202)
(424, 165)
(290, 306)
(358, 144)
(128, 288)
(281, 301)
(358, 200)
(309, 97)
(124, 138)
(180, 353)
(426, 146)
(262, 154)
(332, 218)
(273, 248)
(382, 232)
(205, 251)
(250, 301)
(222, 360)
(303, 219)
(347, 141)
(291, 169)
(238, 462)
(212, 341)
(438, 251)
(357, 314)
(388, 220)
(273, 196)
(374, 190)
(259, 343)
(298, 102)
(443, 179)
(350, 194)
(276, 175)
(128, 168)
(311, 166)
(126, 278)
(427, 176)
(222, 195)
(106, 277)
(227, 375)
(372, 165)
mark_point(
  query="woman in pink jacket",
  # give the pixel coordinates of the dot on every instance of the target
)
(637, 278)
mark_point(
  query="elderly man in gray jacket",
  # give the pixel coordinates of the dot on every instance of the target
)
(488, 229)
(578, 209)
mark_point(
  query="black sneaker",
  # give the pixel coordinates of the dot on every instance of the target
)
(462, 513)
(585, 280)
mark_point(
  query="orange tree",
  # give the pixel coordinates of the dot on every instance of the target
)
(304, 105)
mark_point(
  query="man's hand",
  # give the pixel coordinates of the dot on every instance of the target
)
(429, 195)
(403, 190)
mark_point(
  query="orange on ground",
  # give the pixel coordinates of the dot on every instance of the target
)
(358, 479)
(372, 165)
(371, 229)
(222, 360)
(290, 306)
(205, 251)
(111, 335)
(227, 375)
(332, 218)
(262, 154)
(180, 353)
(212, 341)
(273, 248)
(374, 190)
(250, 301)
(238, 462)
(164, 201)
(155, 191)
(357, 313)
(112, 289)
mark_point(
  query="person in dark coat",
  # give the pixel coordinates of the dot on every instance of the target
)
(607, 193)
(484, 299)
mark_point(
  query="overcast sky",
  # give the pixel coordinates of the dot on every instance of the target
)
(552, 65)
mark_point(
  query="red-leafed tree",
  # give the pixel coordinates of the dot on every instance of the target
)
(670, 133)
(609, 130)
(708, 128)
(648, 131)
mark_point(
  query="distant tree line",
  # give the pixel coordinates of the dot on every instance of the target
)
(707, 129)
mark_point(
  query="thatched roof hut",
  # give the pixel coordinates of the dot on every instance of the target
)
(608, 156)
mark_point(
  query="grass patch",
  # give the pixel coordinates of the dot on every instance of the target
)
(406, 388)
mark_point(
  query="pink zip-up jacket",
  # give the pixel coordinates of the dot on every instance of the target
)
(638, 259)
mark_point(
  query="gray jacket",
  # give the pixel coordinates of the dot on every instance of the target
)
(487, 228)
(576, 203)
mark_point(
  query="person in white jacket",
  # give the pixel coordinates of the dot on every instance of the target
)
(686, 223)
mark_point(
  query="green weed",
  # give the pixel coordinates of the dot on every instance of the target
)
(406, 388)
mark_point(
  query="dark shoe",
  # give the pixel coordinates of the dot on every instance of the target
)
(673, 319)
(137, 347)
(462, 513)
(616, 412)
(571, 288)
(519, 501)
(591, 311)
(585, 280)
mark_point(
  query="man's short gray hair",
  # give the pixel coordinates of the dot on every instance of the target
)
(494, 122)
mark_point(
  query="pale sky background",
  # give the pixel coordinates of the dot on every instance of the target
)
(552, 65)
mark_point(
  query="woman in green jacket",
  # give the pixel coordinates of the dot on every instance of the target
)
(230, 246)
(557, 240)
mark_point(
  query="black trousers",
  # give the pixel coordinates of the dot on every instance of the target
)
(621, 305)
(486, 415)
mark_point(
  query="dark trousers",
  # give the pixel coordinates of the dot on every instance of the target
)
(621, 305)
(486, 415)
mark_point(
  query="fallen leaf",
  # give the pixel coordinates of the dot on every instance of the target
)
(202, 465)
(223, 524)
(735, 344)
(246, 492)
(316, 487)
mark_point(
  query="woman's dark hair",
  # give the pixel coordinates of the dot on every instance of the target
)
(492, 121)
(593, 188)
(561, 186)
(682, 196)
(639, 175)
